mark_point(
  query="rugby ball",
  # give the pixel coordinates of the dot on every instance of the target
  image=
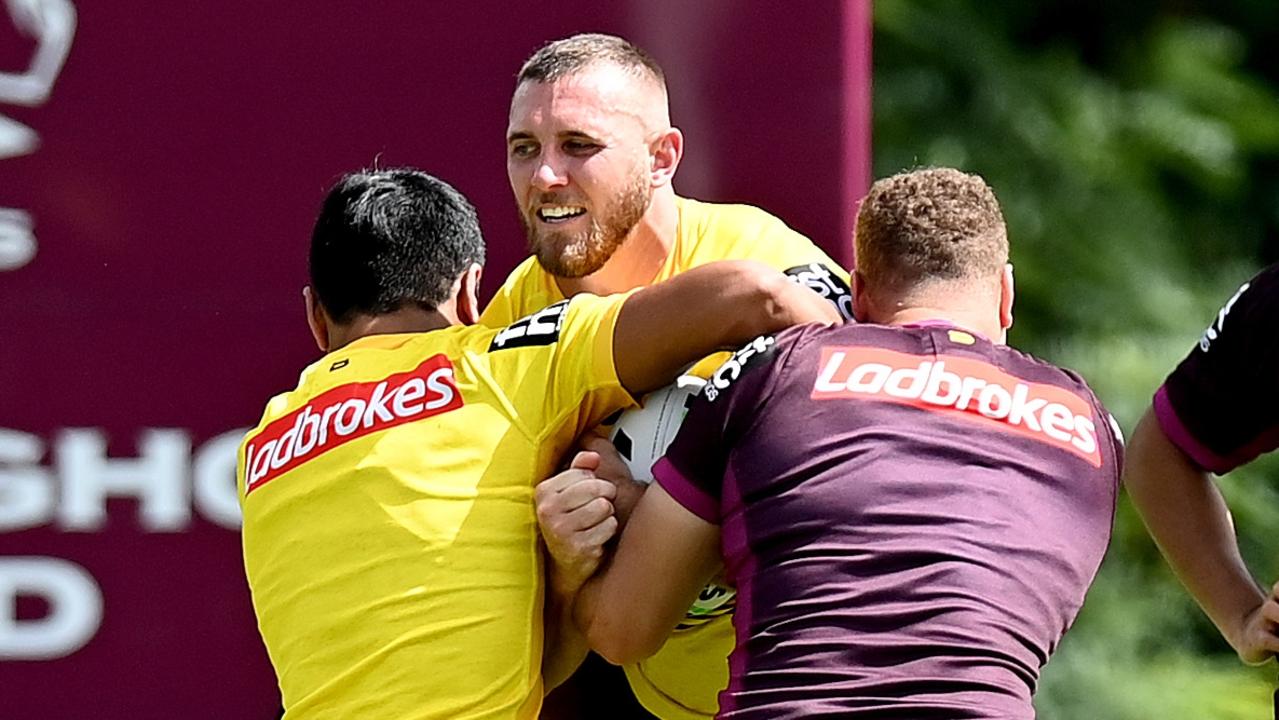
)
(641, 434)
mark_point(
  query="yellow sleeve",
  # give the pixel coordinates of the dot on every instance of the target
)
(586, 383)
(556, 366)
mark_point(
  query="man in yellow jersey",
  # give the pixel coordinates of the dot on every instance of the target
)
(591, 154)
(389, 534)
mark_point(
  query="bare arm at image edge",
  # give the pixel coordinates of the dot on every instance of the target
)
(1188, 518)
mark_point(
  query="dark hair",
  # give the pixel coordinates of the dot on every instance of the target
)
(570, 55)
(930, 224)
(388, 238)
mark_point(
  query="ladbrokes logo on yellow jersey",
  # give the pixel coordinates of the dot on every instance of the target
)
(347, 412)
(970, 388)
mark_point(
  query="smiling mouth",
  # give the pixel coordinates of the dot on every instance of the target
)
(559, 213)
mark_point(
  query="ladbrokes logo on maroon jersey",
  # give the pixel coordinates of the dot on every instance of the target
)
(347, 412)
(966, 387)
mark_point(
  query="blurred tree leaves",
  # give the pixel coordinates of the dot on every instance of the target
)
(1135, 148)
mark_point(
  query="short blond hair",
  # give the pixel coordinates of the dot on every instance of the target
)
(928, 225)
(571, 55)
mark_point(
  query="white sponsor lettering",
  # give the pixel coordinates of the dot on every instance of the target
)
(1024, 408)
(868, 378)
(353, 409)
(377, 406)
(930, 383)
(1086, 439)
(436, 383)
(827, 374)
(994, 402)
(411, 391)
(315, 430)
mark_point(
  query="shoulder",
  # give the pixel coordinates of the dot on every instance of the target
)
(565, 320)
(1267, 283)
(531, 330)
(526, 289)
(718, 231)
(736, 218)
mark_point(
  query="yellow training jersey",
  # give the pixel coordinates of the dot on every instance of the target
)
(682, 681)
(390, 540)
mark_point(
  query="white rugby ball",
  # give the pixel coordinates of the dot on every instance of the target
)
(641, 434)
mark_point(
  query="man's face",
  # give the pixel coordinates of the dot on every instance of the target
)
(578, 160)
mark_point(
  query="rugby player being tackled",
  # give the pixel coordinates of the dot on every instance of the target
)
(910, 510)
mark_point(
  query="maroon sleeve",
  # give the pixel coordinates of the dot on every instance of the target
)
(1221, 404)
(692, 470)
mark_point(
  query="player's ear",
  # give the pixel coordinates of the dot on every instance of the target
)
(1006, 297)
(861, 298)
(468, 295)
(316, 320)
(665, 153)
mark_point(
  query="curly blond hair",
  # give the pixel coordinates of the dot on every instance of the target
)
(928, 225)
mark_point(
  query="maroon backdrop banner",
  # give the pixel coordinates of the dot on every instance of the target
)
(160, 167)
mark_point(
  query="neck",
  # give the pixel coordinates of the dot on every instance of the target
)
(983, 321)
(640, 257)
(404, 320)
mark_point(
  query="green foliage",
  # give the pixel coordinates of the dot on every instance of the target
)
(1134, 148)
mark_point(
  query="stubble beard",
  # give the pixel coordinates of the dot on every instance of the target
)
(578, 254)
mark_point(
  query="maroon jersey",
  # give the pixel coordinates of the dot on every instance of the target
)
(1218, 406)
(911, 516)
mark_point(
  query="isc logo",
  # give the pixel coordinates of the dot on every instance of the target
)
(967, 388)
(346, 413)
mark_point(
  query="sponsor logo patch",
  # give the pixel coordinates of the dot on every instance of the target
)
(348, 412)
(540, 328)
(962, 387)
(819, 278)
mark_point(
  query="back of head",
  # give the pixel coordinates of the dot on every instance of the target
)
(388, 239)
(571, 55)
(932, 228)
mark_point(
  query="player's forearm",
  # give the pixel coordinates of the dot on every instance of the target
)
(619, 633)
(630, 606)
(566, 645)
(1189, 520)
(713, 307)
(758, 300)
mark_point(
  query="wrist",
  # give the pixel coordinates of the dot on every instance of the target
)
(564, 583)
